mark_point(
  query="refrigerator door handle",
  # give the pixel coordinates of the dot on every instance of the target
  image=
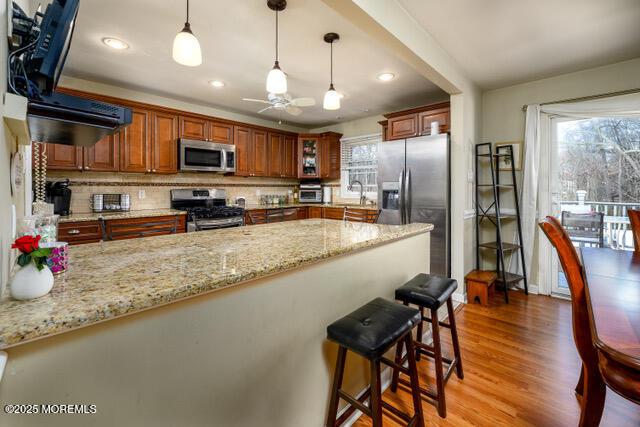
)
(401, 179)
(408, 201)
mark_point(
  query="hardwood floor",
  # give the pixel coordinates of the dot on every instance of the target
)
(520, 367)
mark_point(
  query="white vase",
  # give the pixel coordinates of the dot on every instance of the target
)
(29, 282)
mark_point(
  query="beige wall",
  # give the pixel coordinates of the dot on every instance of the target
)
(8, 147)
(134, 95)
(503, 118)
(364, 126)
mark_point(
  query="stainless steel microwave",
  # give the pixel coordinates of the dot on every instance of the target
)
(206, 156)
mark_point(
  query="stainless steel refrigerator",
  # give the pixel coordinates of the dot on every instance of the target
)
(414, 185)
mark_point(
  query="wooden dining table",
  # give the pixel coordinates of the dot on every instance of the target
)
(613, 302)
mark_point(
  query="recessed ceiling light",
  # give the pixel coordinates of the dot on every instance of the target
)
(115, 43)
(385, 77)
(216, 83)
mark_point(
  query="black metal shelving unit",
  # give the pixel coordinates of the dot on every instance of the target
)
(485, 157)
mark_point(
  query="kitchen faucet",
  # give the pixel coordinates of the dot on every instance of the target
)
(363, 198)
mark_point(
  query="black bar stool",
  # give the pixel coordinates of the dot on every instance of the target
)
(370, 331)
(431, 292)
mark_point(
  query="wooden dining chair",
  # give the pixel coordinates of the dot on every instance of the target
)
(585, 229)
(634, 220)
(590, 385)
(361, 215)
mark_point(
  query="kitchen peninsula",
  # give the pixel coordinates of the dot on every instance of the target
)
(131, 316)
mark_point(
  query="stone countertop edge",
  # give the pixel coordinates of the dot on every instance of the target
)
(62, 311)
(95, 216)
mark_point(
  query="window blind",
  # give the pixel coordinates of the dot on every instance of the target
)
(360, 162)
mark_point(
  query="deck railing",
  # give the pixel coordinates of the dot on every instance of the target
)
(616, 220)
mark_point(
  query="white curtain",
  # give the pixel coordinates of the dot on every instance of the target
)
(615, 106)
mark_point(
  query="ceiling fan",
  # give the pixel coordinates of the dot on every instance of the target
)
(284, 102)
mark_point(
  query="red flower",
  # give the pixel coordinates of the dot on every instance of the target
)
(27, 244)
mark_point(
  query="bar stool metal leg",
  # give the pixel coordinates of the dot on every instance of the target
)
(337, 383)
(454, 339)
(437, 353)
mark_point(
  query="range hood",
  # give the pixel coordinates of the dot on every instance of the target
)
(71, 120)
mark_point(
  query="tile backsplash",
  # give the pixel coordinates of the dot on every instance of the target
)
(152, 191)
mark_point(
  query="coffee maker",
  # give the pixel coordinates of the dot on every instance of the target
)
(59, 194)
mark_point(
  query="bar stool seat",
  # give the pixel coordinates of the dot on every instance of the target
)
(427, 291)
(373, 328)
(370, 331)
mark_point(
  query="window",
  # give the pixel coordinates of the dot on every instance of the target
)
(359, 163)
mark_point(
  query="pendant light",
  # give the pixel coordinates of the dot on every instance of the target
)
(331, 98)
(276, 79)
(186, 48)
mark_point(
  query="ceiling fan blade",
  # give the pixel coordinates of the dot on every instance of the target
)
(303, 102)
(256, 100)
(294, 111)
(265, 109)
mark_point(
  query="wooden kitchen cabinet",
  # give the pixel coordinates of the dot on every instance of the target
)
(333, 213)
(416, 122)
(303, 213)
(104, 156)
(330, 155)
(131, 228)
(309, 156)
(135, 146)
(79, 232)
(276, 155)
(315, 212)
(289, 158)
(164, 147)
(63, 157)
(403, 126)
(193, 128)
(205, 130)
(252, 153)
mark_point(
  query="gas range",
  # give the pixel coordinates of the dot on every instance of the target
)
(206, 208)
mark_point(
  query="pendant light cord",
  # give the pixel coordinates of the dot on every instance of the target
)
(276, 36)
(331, 64)
(187, 11)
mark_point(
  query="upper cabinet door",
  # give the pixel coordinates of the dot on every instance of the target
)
(63, 157)
(193, 128)
(165, 143)
(440, 115)
(242, 140)
(135, 144)
(276, 149)
(220, 132)
(402, 127)
(309, 157)
(260, 153)
(333, 153)
(289, 158)
(104, 156)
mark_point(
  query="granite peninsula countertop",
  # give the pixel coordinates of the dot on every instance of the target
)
(143, 213)
(251, 206)
(111, 279)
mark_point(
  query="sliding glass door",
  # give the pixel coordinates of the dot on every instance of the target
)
(594, 179)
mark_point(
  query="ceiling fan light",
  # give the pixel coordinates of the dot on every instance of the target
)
(186, 48)
(276, 80)
(331, 99)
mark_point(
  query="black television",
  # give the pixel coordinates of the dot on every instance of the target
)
(50, 52)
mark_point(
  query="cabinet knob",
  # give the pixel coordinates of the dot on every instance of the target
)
(153, 170)
(80, 167)
(86, 167)
(148, 170)
(74, 231)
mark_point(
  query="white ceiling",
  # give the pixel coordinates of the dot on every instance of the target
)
(504, 42)
(237, 40)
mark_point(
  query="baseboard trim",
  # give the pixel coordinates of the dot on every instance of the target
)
(385, 374)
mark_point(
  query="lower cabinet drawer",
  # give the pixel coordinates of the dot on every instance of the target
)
(120, 229)
(79, 232)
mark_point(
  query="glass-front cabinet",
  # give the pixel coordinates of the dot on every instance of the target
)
(309, 161)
